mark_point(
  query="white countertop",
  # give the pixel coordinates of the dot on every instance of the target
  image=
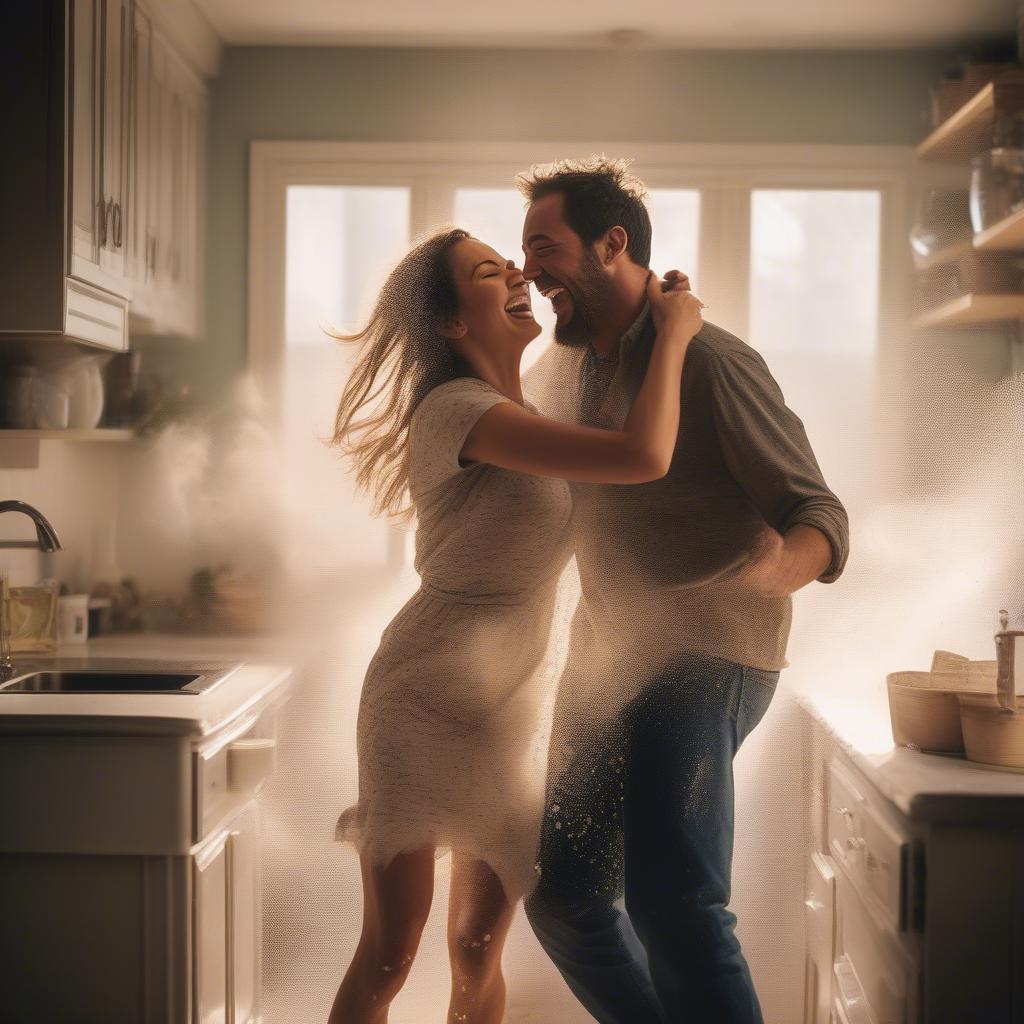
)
(930, 788)
(262, 678)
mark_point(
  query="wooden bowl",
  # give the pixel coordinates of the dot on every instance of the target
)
(955, 672)
(923, 714)
(992, 734)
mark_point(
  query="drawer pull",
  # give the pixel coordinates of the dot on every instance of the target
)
(250, 761)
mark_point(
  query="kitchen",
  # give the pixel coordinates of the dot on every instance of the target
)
(194, 205)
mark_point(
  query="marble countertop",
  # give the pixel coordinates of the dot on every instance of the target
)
(263, 678)
(931, 788)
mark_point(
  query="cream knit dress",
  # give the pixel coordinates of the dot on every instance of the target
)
(450, 731)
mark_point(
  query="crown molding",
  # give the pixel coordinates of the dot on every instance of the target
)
(185, 25)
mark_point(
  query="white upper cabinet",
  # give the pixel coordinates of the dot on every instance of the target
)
(141, 159)
(165, 299)
(109, 128)
(100, 101)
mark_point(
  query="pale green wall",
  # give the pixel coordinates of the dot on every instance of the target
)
(398, 95)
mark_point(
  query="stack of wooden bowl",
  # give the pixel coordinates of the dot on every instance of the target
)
(925, 707)
(953, 709)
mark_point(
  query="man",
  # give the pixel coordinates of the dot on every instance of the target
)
(681, 629)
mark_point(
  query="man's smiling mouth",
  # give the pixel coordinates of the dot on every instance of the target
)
(555, 295)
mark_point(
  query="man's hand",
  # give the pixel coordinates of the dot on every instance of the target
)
(780, 566)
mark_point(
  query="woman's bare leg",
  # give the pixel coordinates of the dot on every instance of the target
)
(479, 916)
(396, 902)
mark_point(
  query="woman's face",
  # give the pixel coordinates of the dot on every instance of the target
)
(494, 298)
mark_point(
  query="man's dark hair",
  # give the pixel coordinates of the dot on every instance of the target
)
(598, 194)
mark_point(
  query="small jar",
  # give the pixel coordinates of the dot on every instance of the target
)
(997, 176)
(20, 398)
(52, 401)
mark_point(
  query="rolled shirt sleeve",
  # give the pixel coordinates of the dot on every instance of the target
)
(765, 448)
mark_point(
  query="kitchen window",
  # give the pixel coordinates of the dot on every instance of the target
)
(787, 245)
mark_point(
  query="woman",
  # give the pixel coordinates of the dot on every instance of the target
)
(451, 705)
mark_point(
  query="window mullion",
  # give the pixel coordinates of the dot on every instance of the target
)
(724, 255)
(432, 204)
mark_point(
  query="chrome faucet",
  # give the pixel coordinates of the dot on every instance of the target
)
(46, 540)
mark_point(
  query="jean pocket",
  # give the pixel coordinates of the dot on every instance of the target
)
(757, 689)
(764, 676)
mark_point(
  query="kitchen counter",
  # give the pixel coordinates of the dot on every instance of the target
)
(135, 816)
(932, 788)
(267, 665)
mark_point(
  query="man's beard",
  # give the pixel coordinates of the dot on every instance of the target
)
(589, 297)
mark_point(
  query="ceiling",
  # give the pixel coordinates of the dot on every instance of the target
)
(722, 24)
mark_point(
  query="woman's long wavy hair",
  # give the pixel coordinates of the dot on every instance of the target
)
(404, 356)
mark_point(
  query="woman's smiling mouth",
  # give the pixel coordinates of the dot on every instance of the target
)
(519, 308)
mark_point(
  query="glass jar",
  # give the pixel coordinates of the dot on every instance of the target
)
(997, 186)
(943, 218)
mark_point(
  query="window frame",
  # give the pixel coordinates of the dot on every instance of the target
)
(725, 175)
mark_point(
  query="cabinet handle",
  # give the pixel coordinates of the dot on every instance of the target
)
(104, 207)
(117, 226)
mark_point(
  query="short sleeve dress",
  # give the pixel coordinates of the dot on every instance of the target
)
(450, 728)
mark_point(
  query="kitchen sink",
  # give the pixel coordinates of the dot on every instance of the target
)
(117, 681)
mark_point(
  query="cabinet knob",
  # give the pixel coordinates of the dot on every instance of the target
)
(250, 761)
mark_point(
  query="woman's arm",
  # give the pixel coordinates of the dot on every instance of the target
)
(509, 436)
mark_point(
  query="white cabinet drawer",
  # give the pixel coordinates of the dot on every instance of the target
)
(885, 972)
(846, 805)
(229, 772)
(849, 1005)
(819, 926)
(883, 865)
(868, 844)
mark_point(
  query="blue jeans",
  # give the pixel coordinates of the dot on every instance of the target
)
(643, 808)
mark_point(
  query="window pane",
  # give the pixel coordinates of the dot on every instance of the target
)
(342, 241)
(341, 244)
(813, 314)
(814, 259)
(675, 230)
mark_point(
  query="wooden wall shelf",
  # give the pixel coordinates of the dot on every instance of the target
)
(969, 130)
(973, 311)
(950, 254)
(1005, 236)
(98, 434)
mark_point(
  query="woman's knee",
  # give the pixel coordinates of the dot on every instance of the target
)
(385, 960)
(475, 954)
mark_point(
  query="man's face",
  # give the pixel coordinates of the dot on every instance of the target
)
(564, 270)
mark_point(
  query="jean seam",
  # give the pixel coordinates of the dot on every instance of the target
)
(737, 704)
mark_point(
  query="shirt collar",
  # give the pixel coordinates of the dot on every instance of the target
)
(635, 329)
(628, 342)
